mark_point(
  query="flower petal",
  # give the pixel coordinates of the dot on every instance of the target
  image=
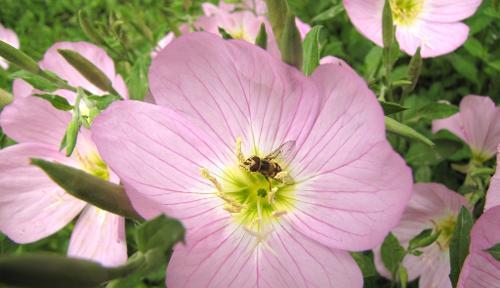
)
(99, 236)
(478, 125)
(448, 11)
(480, 269)
(31, 119)
(54, 62)
(493, 194)
(366, 15)
(352, 187)
(21, 88)
(220, 254)
(31, 205)
(161, 155)
(435, 39)
(234, 89)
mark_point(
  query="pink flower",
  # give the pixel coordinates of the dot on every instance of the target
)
(432, 206)
(33, 207)
(493, 195)
(433, 25)
(477, 124)
(8, 36)
(223, 101)
(480, 269)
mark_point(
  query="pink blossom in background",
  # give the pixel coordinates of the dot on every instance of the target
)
(432, 206)
(348, 187)
(477, 124)
(433, 25)
(33, 207)
(480, 269)
(493, 194)
(8, 36)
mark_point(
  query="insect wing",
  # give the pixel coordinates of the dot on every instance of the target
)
(283, 151)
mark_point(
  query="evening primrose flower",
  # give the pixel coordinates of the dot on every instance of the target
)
(480, 269)
(432, 206)
(8, 36)
(477, 124)
(433, 25)
(220, 102)
(33, 207)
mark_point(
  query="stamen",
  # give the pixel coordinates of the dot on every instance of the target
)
(271, 194)
(239, 155)
(278, 214)
(206, 174)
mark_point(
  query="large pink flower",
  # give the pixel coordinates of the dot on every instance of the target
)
(477, 124)
(8, 36)
(432, 206)
(480, 269)
(31, 205)
(345, 187)
(433, 25)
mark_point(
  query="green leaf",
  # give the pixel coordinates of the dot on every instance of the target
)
(475, 48)
(387, 25)
(94, 190)
(102, 102)
(414, 69)
(400, 129)
(330, 13)
(459, 243)
(403, 276)
(137, 81)
(311, 50)
(37, 81)
(89, 30)
(365, 263)
(18, 58)
(433, 111)
(160, 232)
(423, 155)
(88, 70)
(277, 14)
(391, 107)
(224, 34)
(392, 253)
(423, 239)
(290, 43)
(57, 101)
(494, 251)
(71, 136)
(56, 271)
(464, 67)
(261, 39)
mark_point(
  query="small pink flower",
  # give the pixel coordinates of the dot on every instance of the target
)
(8, 36)
(493, 195)
(433, 25)
(432, 206)
(477, 124)
(33, 207)
(480, 269)
(223, 101)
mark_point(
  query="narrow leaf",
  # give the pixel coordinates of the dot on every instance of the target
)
(387, 25)
(89, 188)
(459, 243)
(330, 13)
(57, 101)
(400, 129)
(423, 239)
(291, 43)
(277, 14)
(392, 253)
(261, 39)
(18, 58)
(391, 107)
(414, 69)
(311, 50)
(37, 81)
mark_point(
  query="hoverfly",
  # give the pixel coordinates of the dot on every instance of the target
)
(267, 166)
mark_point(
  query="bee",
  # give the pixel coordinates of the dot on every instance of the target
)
(267, 166)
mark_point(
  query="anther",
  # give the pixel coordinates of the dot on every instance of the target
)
(205, 174)
(278, 213)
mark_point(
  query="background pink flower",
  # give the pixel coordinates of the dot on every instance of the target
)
(350, 186)
(8, 36)
(480, 269)
(433, 25)
(477, 124)
(493, 194)
(31, 205)
(432, 206)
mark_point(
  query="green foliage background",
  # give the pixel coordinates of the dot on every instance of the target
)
(472, 69)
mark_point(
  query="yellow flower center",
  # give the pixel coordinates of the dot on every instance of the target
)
(93, 164)
(405, 12)
(446, 225)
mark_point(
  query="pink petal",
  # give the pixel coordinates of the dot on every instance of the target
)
(302, 27)
(21, 88)
(493, 194)
(353, 186)
(448, 11)
(329, 60)
(477, 123)
(147, 208)
(54, 62)
(221, 254)
(8, 36)
(160, 156)
(99, 236)
(480, 269)
(430, 202)
(31, 119)
(31, 205)
(234, 89)
(435, 39)
(366, 15)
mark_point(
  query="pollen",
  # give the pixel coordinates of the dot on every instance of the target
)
(93, 164)
(405, 12)
(446, 226)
